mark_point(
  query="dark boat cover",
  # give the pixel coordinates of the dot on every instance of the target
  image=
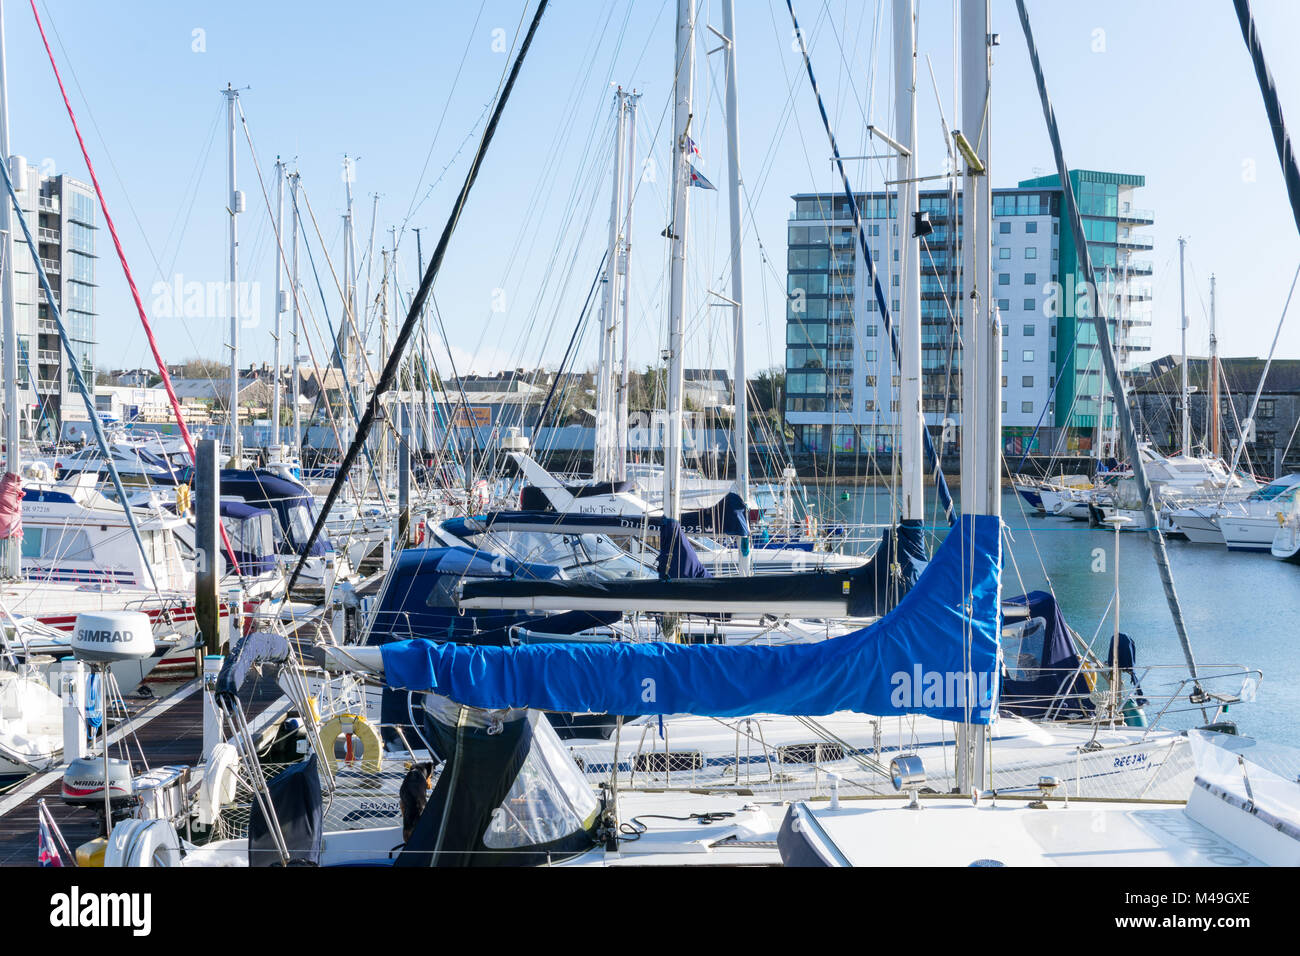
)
(677, 559)
(865, 591)
(256, 648)
(296, 802)
(1043, 672)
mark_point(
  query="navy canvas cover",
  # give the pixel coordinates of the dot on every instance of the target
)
(677, 559)
(296, 802)
(1053, 683)
(257, 648)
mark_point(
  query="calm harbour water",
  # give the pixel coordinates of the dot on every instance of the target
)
(1241, 608)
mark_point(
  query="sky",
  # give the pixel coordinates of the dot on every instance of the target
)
(1160, 88)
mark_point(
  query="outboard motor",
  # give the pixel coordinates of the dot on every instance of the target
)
(83, 786)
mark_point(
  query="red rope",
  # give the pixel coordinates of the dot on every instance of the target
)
(130, 280)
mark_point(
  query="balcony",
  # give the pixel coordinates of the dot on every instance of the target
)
(45, 299)
(48, 203)
(1144, 216)
(1134, 242)
(52, 266)
(48, 386)
(47, 356)
(46, 234)
(48, 326)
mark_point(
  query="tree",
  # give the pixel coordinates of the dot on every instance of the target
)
(768, 389)
(202, 368)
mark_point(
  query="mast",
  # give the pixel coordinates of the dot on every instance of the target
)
(740, 378)
(602, 465)
(912, 421)
(235, 205)
(349, 317)
(1182, 310)
(279, 308)
(981, 423)
(1214, 379)
(295, 386)
(683, 87)
(11, 565)
(626, 265)
(427, 379)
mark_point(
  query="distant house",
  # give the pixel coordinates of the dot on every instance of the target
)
(254, 395)
(1270, 451)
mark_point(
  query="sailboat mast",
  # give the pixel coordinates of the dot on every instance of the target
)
(279, 308)
(625, 265)
(1214, 379)
(296, 385)
(603, 466)
(1182, 310)
(981, 424)
(349, 316)
(683, 87)
(235, 202)
(740, 378)
(12, 547)
(912, 420)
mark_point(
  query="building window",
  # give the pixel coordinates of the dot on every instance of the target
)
(1004, 381)
(1004, 253)
(1004, 408)
(1004, 355)
(871, 355)
(1026, 406)
(1030, 305)
(871, 331)
(1027, 355)
(1004, 228)
(1031, 227)
(1267, 408)
(1026, 381)
(1004, 278)
(1031, 253)
(869, 405)
(871, 381)
(1028, 330)
(1031, 278)
(893, 380)
(1004, 305)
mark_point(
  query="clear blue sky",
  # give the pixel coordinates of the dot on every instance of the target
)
(1155, 87)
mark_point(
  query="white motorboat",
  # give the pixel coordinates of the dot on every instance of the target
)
(1249, 524)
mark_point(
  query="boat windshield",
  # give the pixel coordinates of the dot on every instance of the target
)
(577, 555)
(548, 800)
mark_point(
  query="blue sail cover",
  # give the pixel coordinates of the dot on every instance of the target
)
(936, 653)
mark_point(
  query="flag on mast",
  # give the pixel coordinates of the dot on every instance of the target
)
(697, 179)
